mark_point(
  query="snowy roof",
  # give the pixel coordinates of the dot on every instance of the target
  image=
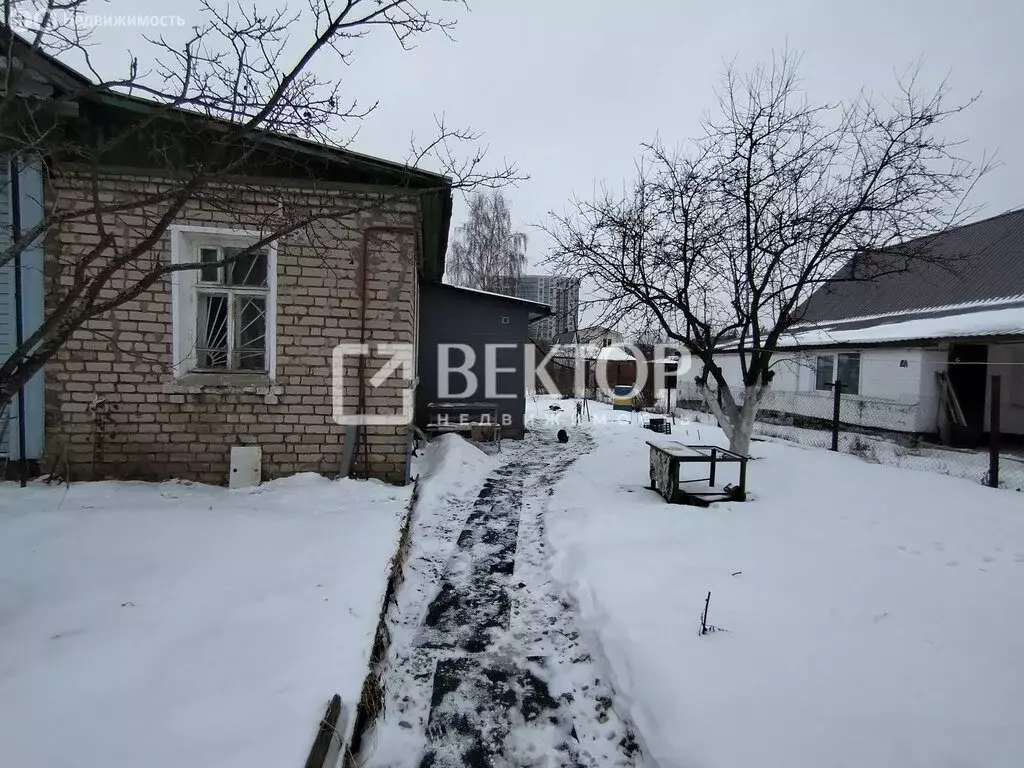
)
(993, 322)
(536, 306)
(1007, 320)
(614, 353)
(591, 352)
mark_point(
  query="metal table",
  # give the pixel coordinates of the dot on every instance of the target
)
(668, 455)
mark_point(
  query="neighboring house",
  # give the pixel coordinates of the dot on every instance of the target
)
(561, 293)
(588, 354)
(956, 316)
(496, 329)
(596, 335)
(166, 384)
(574, 367)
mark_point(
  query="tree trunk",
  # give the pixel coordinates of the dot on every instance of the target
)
(727, 416)
(14, 377)
(743, 426)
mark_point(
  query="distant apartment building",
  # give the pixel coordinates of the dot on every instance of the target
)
(560, 293)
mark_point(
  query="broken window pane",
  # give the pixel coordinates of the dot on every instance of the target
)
(231, 308)
(251, 332)
(247, 269)
(212, 331)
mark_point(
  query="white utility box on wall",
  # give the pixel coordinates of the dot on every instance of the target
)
(245, 466)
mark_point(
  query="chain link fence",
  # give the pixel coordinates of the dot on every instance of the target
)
(880, 430)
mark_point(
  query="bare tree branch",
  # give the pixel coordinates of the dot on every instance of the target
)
(726, 238)
(202, 116)
(486, 252)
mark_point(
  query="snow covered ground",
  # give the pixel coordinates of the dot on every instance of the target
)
(924, 457)
(874, 614)
(486, 667)
(883, 449)
(185, 625)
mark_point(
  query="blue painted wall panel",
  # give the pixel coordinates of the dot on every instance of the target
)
(32, 297)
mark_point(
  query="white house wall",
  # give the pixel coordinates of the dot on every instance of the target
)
(897, 390)
(789, 370)
(730, 365)
(1007, 360)
(893, 391)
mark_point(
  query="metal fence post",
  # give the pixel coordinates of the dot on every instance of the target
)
(993, 434)
(837, 388)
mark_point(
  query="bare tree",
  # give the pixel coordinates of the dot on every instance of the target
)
(723, 241)
(236, 97)
(487, 254)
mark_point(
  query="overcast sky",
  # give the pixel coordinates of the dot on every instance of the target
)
(568, 89)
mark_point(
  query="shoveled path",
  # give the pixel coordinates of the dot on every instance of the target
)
(494, 672)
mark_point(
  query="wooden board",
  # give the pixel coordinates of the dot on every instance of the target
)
(673, 448)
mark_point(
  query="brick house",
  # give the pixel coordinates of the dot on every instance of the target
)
(235, 353)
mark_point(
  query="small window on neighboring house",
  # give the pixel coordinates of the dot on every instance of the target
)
(845, 367)
(848, 372)
(224, 309)
(823, 372)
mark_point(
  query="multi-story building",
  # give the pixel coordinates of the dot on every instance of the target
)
(559, 292)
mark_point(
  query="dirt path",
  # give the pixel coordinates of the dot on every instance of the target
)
(487, 667)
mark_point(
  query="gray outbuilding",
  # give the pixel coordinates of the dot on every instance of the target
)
(489, 329)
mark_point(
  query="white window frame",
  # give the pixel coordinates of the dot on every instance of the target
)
(835, 370)
(860, 369)
(814, 372)
(185, 243)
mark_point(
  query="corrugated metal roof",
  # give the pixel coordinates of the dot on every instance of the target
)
(915, 326)
(977, 262)
(998, 320)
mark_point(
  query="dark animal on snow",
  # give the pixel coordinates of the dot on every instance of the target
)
(563, 436)
(554, 407)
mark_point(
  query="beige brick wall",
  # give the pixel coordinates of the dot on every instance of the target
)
(114, 408)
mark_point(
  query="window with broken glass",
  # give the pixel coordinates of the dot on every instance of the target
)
(231, 310)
